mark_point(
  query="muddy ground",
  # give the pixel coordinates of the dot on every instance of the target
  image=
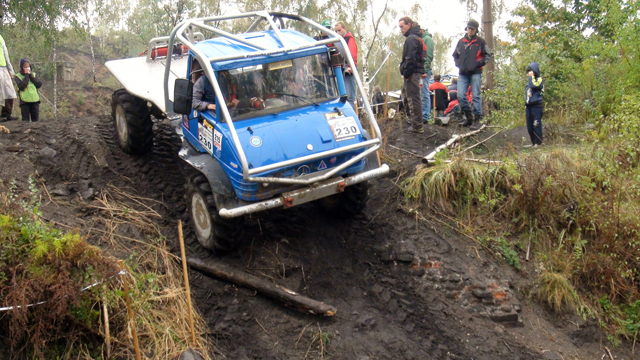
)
(406, 286)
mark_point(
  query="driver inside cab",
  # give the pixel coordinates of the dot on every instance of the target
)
(204, 97)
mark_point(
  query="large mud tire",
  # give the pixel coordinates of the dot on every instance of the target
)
(214, 232)
(132, 120)
(348, 203)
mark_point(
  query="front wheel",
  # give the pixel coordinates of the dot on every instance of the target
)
(213, 232)
(349, 202)
(132, 120)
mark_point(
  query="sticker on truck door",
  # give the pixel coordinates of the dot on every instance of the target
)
(205, 136)
(344, 128)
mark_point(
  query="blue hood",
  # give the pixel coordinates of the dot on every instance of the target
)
(275, 138)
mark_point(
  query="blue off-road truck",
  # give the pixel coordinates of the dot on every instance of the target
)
(281, 134)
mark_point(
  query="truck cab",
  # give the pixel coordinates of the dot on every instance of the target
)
(267, 126)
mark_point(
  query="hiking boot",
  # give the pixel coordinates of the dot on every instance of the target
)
(476, 123)
(468, 118)
(9, 118)
(412, 130)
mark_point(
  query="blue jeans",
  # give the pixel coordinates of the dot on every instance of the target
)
(475, 80)
(350, 86)
(426, 98)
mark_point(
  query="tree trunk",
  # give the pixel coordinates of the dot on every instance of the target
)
(488, 30)
(55, 80)
(93, 56)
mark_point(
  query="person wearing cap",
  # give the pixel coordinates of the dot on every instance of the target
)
(28, 85)
(323, 35)
(470, 55)
(349, 80)
(7, 91)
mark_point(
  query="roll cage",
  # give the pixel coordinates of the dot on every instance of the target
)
(186, 34)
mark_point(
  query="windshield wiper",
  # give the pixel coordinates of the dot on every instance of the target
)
(298, 97)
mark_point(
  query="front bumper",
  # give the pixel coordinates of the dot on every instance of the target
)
(306, 194)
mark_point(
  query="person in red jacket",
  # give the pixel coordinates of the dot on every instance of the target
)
(349, 80)
(441, 95)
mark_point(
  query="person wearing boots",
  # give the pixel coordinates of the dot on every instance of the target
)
(28, 85)
(470, 55)
(533, 92)
(412, 69)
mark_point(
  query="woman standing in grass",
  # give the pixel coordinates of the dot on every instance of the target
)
(28, 85)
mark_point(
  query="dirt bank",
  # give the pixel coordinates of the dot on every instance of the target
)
(405, 288)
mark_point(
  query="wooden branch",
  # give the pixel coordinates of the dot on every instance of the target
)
(471, 147)
(237, 276)
(376, 25)
(405, 151)
(451, 141)
(482, 161)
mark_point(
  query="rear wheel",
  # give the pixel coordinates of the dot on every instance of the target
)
(134, 127)
(349, 202)
(213, 231)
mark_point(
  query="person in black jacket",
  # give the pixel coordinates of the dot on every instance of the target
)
(470, 55)
(533, 92)
(412, 70)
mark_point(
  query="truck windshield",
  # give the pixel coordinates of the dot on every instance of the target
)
(278, 86)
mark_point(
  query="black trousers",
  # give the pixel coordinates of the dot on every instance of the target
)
(534, 124)
(7, 109)
(411, 96)
(30, 110)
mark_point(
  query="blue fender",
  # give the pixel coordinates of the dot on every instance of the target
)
(209, 167)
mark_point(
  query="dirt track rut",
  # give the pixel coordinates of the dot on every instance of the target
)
(404, 288)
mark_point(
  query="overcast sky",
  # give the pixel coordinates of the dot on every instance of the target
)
(448, 17)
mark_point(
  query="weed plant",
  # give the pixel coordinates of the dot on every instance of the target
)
(577, 205)
(39, 263)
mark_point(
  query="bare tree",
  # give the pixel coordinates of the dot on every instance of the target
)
(88, 29)
(441, 53)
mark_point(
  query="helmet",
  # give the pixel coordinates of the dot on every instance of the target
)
(326, 23)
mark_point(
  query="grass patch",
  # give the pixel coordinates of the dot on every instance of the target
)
(39, 262)
(577, 205)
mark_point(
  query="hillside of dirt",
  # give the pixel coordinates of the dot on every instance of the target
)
(406, 284)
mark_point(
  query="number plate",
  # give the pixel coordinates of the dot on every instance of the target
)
(205, 136)
(344, 128)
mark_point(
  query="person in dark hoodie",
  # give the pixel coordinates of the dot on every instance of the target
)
(28, 85)
(470, 55)
(412, 69)
(533, 93)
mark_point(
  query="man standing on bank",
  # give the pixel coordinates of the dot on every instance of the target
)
(470, 55)
(412, 70)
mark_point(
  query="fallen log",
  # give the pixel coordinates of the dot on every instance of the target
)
(237, 276)
(482, 161)
(454, 138)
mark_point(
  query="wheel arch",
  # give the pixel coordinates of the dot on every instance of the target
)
(210, 168)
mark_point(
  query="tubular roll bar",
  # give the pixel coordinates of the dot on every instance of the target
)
(188, 26)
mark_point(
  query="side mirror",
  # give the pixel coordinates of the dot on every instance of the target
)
(182, 96)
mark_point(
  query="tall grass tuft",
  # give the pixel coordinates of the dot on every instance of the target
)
(578, 205)
(556, 290)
